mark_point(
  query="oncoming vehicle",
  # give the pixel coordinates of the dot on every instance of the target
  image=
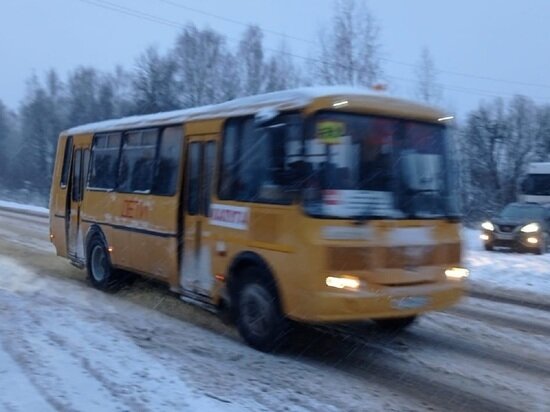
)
(520, 226)
(536, 186)
(309, 205)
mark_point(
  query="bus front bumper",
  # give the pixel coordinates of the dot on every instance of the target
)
(389, 302)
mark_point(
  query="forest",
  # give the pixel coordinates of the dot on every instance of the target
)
(493, 142)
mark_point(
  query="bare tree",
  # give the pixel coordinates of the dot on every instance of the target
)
(427, 88)
(251, 61)
(154, 83)
(497, 144)
(280, 71)
(349, 48)
(200, 56)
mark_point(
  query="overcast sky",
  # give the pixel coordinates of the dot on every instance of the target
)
(507, 39)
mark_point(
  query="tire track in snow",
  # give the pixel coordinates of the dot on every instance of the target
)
(510, 299)
(500, 319)
(374, 361)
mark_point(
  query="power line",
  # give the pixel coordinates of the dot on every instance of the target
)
(174, 24)
(393, 61)
(479, 77)
(229, 20)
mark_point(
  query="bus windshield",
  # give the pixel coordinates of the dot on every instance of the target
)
(374, 167)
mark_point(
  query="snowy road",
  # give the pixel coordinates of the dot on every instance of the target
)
(65, 346)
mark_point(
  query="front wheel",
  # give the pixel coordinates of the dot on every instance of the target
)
(260, 321)
(488, 247)
(395, 324)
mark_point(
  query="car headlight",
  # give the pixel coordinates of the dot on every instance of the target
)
(530, 228)
(488, 226)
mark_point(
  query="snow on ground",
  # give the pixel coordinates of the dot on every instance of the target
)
(64, 346)
(70, 347)
(27, 208)
(64, 361)
(509, 273)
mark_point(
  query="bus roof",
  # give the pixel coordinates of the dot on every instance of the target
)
(280, 101)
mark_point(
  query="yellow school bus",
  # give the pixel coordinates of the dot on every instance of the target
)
(314, 205)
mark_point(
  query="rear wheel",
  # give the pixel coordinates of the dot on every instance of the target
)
(259, 317)
(101, 273)
(395, 324)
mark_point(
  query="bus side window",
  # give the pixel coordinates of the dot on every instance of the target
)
(104, 161)
(166, 176)
(137, 161)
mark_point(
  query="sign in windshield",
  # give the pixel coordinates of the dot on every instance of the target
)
(372, 166)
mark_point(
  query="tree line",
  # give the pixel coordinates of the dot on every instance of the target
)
(494, 142)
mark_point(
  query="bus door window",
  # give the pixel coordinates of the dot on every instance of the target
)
(209, 164)
(74, 208)
(77, 179)
(193, 178)
(196, 273)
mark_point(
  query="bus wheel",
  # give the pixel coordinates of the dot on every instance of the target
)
(395, 324)
(101, 273)
(260, 321)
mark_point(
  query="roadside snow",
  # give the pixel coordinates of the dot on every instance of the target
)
(42, 211)
(523, 275)
(63, 360)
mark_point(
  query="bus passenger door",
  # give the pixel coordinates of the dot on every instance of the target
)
(79, 173)
(196, 275)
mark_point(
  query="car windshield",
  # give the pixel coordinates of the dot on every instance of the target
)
(366, 166)
(523, 212)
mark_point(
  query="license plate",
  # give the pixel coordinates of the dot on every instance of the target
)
(502, 236)
(410, 302)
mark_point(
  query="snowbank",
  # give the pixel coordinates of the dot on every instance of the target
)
(35, 210)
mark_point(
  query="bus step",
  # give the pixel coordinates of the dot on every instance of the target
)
(198, 300)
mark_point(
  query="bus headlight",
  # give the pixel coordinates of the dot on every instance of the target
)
(488, 226)
(457, 273)
(343, 282)
(530, 228)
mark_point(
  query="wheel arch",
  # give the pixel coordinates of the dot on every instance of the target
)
(93, 231)
(236, 275)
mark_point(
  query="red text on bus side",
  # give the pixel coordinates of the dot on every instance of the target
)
(134, 209)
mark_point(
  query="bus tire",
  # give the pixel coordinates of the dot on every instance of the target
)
(259, 317)
(395, 324)
(101, 273)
